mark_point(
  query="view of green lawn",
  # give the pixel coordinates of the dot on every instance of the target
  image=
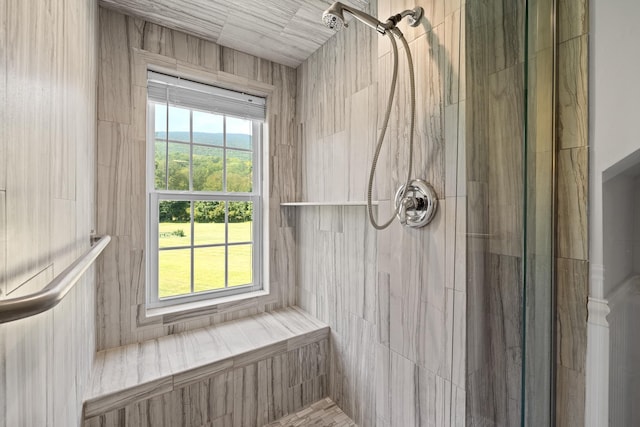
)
(175, 264)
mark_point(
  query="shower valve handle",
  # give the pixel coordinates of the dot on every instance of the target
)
(417, 204)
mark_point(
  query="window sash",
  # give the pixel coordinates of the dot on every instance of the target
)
(154, 198)
(154, 300)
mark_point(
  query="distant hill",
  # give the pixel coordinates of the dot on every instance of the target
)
(234, 140)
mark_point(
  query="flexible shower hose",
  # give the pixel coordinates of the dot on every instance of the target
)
(385, 123)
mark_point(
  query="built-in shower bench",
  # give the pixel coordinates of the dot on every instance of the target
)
(284, 352)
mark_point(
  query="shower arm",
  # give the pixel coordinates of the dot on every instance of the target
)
(413, 17)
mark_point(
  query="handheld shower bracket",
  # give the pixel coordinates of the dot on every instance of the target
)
(414, 18)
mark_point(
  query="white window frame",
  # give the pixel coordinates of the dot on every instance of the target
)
(259, 221)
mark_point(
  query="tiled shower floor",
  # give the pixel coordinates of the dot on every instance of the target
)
(324, 413)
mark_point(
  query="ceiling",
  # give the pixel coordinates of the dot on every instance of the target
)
(284, 31)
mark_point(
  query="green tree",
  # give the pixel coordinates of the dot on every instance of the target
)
(174, 211)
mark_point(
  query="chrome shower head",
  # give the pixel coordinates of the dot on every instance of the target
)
(333, 17)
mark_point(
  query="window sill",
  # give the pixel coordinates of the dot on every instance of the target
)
(202, 304)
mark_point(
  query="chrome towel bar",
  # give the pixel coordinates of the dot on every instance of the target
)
(38, 302)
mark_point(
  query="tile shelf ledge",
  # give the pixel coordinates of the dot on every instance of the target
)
(333, 203)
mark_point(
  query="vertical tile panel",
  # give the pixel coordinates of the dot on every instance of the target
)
(65, 213)
(505, 167)
(28, 367)
(572, 203)
(573, 19)
(3, 376)
(403, 379)
(573, 113)
(572, 239)
(570, 397)
(3, 95)
(30, 58)
(114, 98)
(3, 244)
(572, 290)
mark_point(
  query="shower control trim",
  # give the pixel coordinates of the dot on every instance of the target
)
(417, 205)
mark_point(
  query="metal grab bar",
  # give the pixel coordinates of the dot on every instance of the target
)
(38, 302)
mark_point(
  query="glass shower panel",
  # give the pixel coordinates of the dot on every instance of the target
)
(510, 194)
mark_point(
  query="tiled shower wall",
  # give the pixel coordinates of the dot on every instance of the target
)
(125, 43)
(572, 256)
(47, 204)
(395, 299)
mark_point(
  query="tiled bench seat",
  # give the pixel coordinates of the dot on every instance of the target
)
(126, 376)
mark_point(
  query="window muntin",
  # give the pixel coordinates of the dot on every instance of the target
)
(205, 204)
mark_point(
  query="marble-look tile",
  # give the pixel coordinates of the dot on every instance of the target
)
(324, 413)
(65, 212)
(403, 378)
(3, 245)
(3, 101)
(417, 293)
(451, 129)
(3, 381)
(459, 333)
(573, 19)
(505, 176)
(460, 255)
(383, 308)
(572, 291)
(361, 141)
(572, 203)
(27, 358)
(462, 78)
(383, 391)
(462, 151)
(570, 388)
(334, 152)
(114, 75)
(573, 111)
(453, 40)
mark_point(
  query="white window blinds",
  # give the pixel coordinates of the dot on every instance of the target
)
(177, 91)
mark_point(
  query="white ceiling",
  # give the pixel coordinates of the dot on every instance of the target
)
(284, 31)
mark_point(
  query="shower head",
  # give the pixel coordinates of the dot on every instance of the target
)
(333, 18)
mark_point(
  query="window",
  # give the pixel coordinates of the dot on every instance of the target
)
(204, 185)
